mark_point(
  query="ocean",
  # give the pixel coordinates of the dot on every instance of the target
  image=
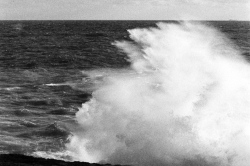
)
(126, 92)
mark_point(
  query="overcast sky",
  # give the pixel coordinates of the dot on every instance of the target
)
(124, 9)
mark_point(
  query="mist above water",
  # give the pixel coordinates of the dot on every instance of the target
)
(184, 100)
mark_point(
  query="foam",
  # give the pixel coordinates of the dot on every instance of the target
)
(185, 99)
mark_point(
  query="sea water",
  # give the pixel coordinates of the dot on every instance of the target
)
(126, 92)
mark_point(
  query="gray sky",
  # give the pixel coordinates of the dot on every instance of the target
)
(124, 9)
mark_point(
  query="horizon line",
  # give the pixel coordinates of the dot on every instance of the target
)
(113, 20)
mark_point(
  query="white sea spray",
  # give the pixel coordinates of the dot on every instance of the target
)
(185, 99)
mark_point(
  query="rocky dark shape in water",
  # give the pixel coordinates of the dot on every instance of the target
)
(22, 160)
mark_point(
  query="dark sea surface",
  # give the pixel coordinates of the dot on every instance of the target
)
(42, 83)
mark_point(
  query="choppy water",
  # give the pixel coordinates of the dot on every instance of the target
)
(43, 80)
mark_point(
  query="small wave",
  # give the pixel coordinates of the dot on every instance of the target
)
(62, 111)
(54, 130)
(63, 155)
(62, 84)
(28, 124)
(10, 88)
(81, 85)
(22, 112)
